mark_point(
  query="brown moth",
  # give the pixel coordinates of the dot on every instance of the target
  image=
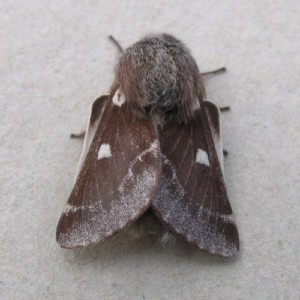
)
(152, 152)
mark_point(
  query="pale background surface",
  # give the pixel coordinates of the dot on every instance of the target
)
(55, 59)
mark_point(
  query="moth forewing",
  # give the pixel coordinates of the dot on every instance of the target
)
(213, 116)
(117, 180)
(192, 199)
(97, 109)
(227, 243)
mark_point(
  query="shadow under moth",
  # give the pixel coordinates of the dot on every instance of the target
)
(152, 157)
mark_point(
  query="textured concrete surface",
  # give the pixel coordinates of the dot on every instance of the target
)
(55, 59)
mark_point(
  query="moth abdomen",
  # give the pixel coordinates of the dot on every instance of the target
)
(158, 75)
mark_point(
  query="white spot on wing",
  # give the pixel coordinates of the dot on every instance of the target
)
(202, 157)
(104, 151)
(118, 98)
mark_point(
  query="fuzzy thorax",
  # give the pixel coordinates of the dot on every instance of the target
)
(159, 76)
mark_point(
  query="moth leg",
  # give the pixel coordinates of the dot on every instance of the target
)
(224, 108)
(217, 71)
(213, 72)
(116, 43)
(79, 135)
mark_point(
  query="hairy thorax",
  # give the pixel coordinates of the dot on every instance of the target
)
(158, 76)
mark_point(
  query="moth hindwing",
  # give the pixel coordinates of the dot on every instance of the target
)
(153, 144)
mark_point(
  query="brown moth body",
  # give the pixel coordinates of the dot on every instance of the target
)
(160, 77)
(152, 152)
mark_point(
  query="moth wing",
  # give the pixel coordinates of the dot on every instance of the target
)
(117, 179)
(192, 199)
(213, 116)
(97, 110)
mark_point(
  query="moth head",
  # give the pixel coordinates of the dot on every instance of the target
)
(158, 77)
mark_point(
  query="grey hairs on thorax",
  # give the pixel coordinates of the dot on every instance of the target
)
(159, 77)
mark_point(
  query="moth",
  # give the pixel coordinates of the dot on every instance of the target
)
(152, 151)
